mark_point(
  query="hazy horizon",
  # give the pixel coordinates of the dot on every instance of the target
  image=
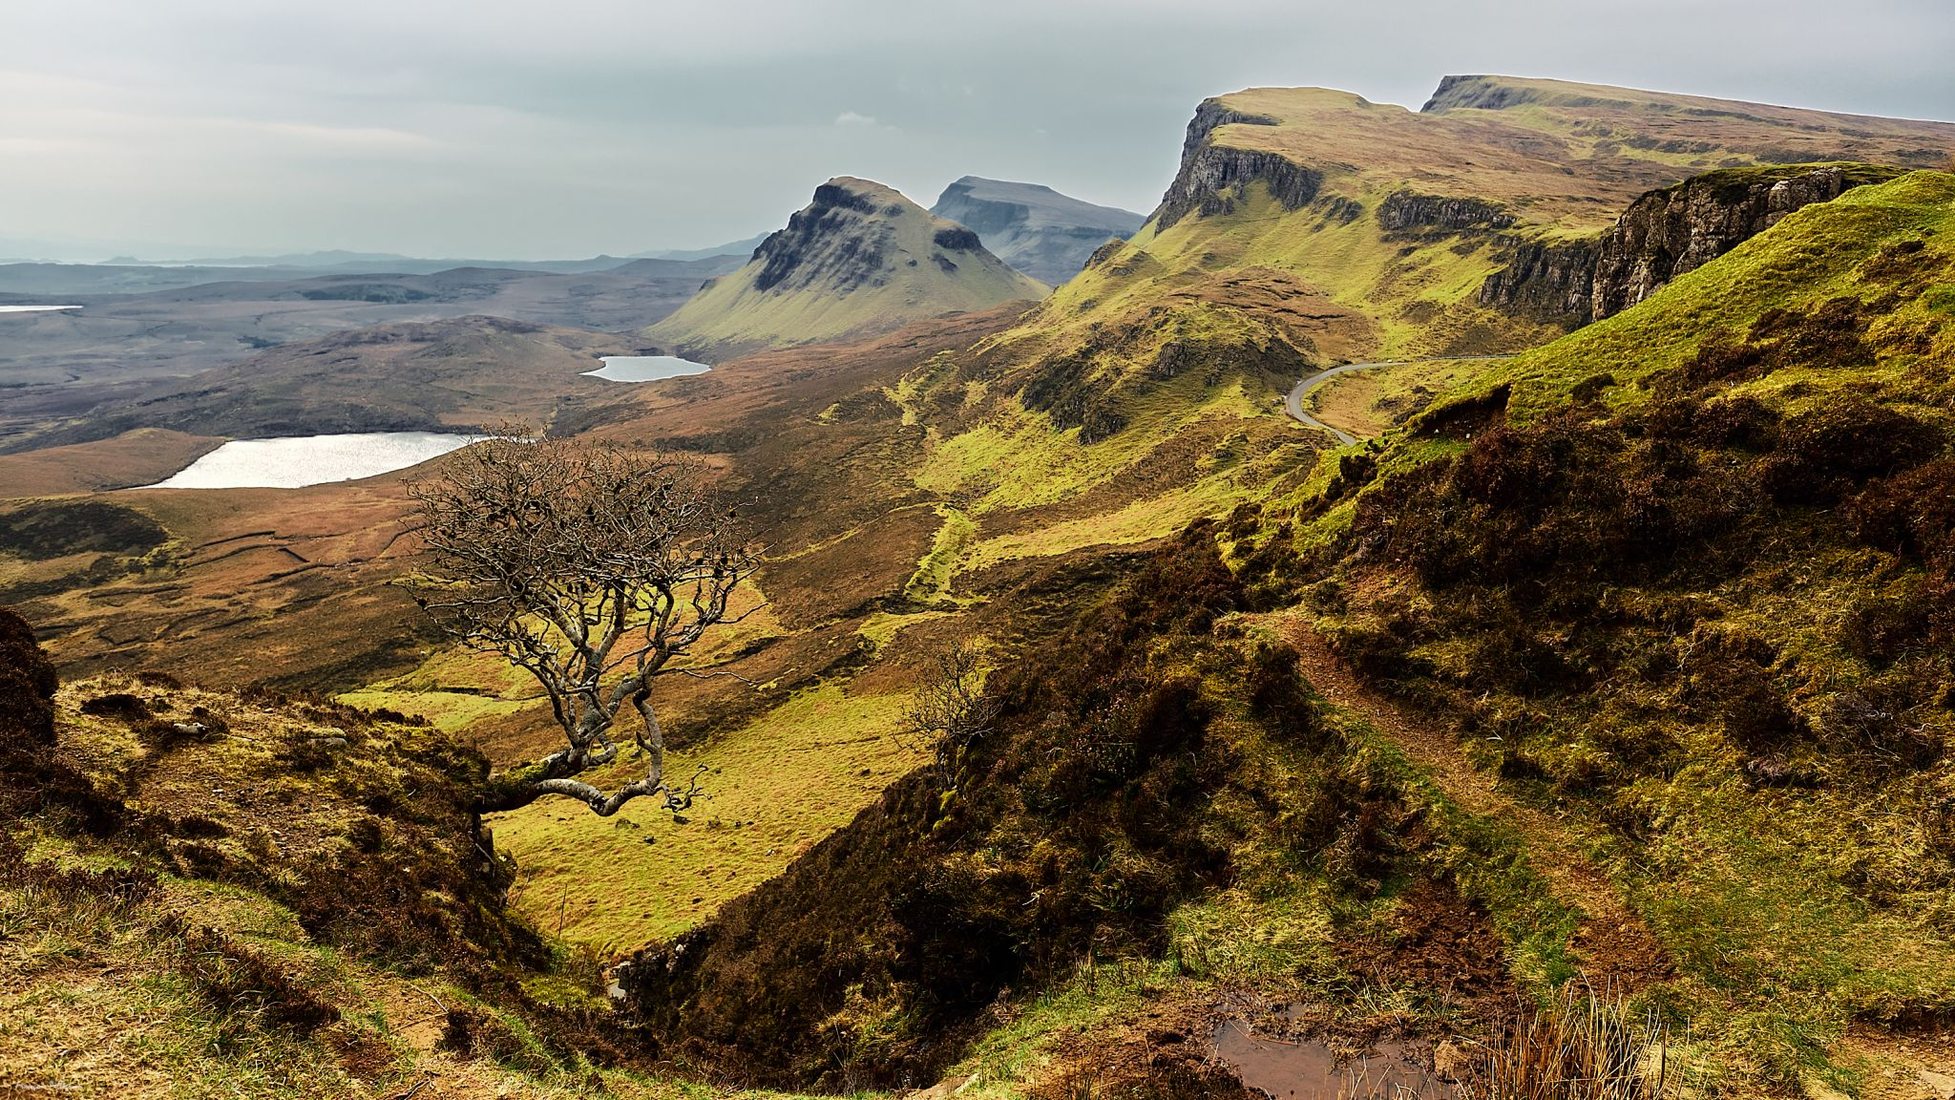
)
(449, 129)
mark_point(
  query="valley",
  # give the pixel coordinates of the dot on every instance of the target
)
(1444, 573)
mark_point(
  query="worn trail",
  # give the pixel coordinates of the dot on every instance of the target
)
(1613, 944)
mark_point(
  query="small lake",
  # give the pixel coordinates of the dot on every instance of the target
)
(35, 309)
(311, 460)
(645, 368)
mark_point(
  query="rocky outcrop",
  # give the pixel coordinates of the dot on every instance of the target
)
(1408, 210)
(832, 238)
(956, 238)
(1213, 176)
(1477, 92)
(1035, 229)
(1679, 229)
(1662, 235)
(1549, 283)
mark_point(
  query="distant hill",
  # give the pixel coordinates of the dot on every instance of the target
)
(1346, 229)
(1035, 229)
(859, 259)
(463, 371)
(121, 344)
(389, 262)
(743, 247)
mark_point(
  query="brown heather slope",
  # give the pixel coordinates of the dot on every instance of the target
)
(142, 456)
(158, 938)
(1681, 581)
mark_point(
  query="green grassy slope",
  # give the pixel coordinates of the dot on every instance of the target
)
(1528, 159)
(1684, 577)
(860, 259)
(211, 893)
(1821, 252)
(1306, 226)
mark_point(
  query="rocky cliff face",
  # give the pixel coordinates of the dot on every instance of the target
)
(1212, 176)
(835, 238)
(1407, 210)
(1549, 283)
(1679, 229)
(1662, 235)
(1035, 229)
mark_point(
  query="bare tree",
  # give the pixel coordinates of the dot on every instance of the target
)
(950, 711)
(590, 568)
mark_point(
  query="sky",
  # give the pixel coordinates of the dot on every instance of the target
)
(523, 130)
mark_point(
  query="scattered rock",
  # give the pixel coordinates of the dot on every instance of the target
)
(949, 1086)
(1453, 1060)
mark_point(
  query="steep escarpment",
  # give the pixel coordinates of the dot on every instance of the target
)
(1549, 282)
(1035, 229)
(1408, 210)
(859, 259)
(1662, 235)
(1214, 175)
(829, 242)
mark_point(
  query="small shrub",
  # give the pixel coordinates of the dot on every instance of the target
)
(1824, 452)
(239, 981)
(117, 704)
(478, 1034)
(1584, 1047)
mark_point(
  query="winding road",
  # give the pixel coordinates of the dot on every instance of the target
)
(1293, 403)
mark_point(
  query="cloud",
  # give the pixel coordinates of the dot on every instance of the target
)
(471, 127)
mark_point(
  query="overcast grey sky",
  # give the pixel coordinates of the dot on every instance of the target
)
(556, 128)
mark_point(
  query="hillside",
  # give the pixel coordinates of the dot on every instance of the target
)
(1383, 223)
(1682, 579)
(1603, 686)
(859, 259)
(1307, 227)
(332, 929)
(1035, 229)
(1623, 666)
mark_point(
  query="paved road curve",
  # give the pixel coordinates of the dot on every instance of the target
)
(1293, 404)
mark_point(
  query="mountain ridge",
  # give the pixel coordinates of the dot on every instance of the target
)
(1041, 232)
(860, 258)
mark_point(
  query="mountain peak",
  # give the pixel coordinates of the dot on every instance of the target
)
(1039, 231)
(859, 258)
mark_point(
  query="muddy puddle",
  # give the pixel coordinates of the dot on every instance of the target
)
(1311, 1069)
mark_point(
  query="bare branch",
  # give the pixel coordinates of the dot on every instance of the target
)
(590, 568)
(950, 711)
